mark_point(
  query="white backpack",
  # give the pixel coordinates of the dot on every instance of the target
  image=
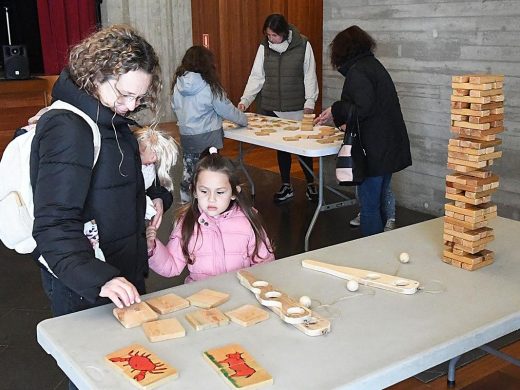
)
(16, 197)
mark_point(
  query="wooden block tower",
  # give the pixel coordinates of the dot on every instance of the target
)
(477, 116)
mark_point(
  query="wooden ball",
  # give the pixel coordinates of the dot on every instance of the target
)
(352, 285)
(305, 301)
(404, 257)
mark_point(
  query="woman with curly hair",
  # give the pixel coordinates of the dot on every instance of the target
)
(200, 104)
(110, 75)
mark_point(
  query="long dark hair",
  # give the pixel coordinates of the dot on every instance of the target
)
(189, 214)
(348, 44)
(198, 59)
(277, 24)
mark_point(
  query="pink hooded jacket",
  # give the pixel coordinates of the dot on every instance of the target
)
(225, 243)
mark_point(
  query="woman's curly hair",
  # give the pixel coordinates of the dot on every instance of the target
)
(112, 52)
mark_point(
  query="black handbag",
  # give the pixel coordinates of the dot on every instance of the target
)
(351, 159)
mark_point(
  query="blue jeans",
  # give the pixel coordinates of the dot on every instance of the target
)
(372, 198)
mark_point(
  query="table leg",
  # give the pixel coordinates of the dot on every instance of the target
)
(243, 167)
(451, 371)
(318, 207)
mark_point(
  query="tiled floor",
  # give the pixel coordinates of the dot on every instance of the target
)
(23, 363)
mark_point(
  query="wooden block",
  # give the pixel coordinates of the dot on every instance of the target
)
(497, 98)
(465, 199)
(460, 79)
(480, 173)
(248, 315)
(207, 298)
(238, 367)
(460, 105)
(262, 133)
(471, 151)
(328, 140)
(469, 99)
(460, 92)
(494, 111)
(207, 318)
(474, 144)
(473, 267)
(489, 92)
(458, 117)
(467, 258)
(486, 106)
(467, 111)
(470, 235)
(485, 78)
(292, 128)
(142, 367)
(469, 125)
(486, 119)
(160, 330)
(167, 303)
(295, 138)
(465, 224)
(481, 87)
(472, 164)
(312, 136)
(474, 246)
(135, 315)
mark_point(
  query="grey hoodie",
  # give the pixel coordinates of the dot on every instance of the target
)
(200, 114)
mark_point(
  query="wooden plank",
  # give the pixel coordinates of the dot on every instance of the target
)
(480, 87)
(247, 315)
(207, 318)
(161, 330)
(486, 119)
(135, 315)
(167, 303)
(469, 112)
(470, 235)
(486, 106)
(207, 298)
(465, 224)
(465, 199)
(485, 78)
(469, 125)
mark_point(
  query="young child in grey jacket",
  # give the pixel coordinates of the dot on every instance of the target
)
(200, 104)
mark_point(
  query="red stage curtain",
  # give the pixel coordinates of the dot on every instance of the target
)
(63, 23)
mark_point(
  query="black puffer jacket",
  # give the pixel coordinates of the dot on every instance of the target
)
(68, 192)
(369, 87)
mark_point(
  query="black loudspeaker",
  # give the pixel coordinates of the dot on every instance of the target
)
(16, 63)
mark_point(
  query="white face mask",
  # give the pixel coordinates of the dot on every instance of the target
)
(281, 47)
(148, 174)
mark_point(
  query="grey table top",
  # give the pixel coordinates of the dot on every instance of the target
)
(378, 337)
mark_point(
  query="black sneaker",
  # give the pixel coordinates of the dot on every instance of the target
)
(286, 192)
(311, 192)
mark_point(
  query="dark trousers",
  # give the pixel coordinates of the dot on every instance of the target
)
(285, 161)
(371, 195)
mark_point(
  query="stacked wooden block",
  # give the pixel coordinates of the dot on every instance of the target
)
(477, 116)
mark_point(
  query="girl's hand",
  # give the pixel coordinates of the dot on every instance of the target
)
(157, 218)
(120, 291)
(151, 235)
(324, 118)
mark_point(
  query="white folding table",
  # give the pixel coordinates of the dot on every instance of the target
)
(302, 147)
(378, 337)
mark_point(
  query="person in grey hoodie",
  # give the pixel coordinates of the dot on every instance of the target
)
(200, 104)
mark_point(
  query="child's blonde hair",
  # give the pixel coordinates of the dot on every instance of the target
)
(164, 147)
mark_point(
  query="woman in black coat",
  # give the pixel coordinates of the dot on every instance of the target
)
(111, 74)
(369, 93)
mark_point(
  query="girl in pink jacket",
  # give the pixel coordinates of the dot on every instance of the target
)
(219, 231)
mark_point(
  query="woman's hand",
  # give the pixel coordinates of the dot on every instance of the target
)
(241, 107)
(324, 118)
(120, 291)
(159, 208)
(308, 111)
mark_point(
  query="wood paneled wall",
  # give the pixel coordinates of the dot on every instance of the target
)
(235, 30)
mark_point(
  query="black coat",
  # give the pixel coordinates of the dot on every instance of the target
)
(68, 192)
(370, 89)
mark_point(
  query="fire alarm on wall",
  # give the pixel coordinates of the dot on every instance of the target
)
(205, 40)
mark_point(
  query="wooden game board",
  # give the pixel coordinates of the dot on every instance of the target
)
(238, 368)
(141, 367)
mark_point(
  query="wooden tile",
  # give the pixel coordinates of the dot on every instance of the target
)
(167, 303)
(142, 367)
(248, 315)
(207, 298)
(166, 329)
(135, 315)
(207, 318)
(237, 367)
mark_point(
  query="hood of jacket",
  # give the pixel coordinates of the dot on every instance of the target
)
(343, 69)
(189, 84)
(66, 90)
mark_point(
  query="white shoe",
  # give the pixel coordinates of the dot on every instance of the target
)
(356, 221)
(390, 225)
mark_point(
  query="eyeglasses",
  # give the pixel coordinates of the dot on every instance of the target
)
(138, 100)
